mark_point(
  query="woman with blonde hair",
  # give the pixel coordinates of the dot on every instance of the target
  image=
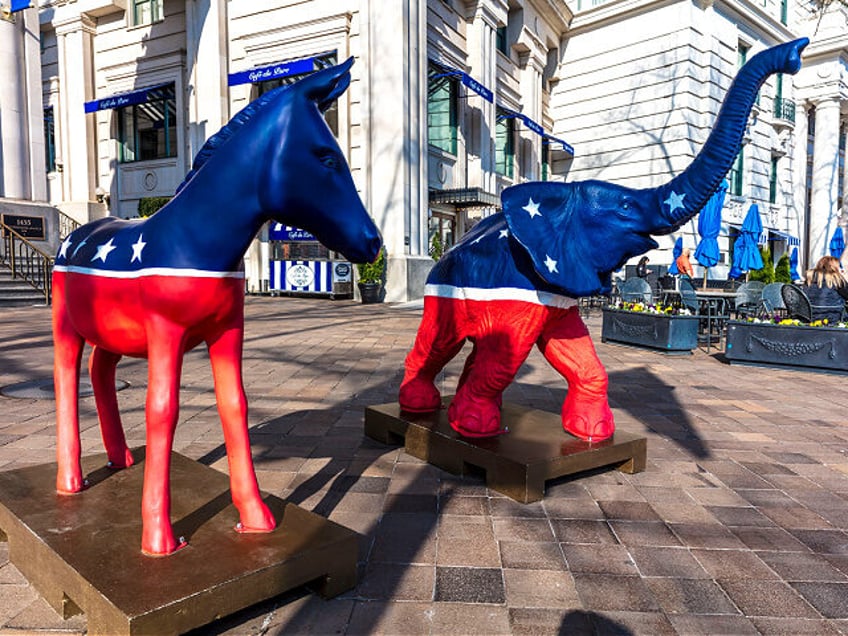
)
(827, 289)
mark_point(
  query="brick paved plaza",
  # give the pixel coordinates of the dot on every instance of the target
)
(739, 525)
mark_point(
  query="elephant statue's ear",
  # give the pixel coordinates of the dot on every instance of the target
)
(540, 217)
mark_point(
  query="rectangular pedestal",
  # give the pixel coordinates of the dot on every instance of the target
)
(83, 552)
(517, 463)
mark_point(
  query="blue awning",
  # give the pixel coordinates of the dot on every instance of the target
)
(467, 81)
(564, 146)
(19, 5)
(138, 96)
(784, 236)
(278, 70)
(769, 234)
(508, 113)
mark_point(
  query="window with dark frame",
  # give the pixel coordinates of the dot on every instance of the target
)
(442, 107)
(49, 140)
(149, 130)
(146, 11)
(504, 144)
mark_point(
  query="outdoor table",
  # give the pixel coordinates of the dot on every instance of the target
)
(715, 305)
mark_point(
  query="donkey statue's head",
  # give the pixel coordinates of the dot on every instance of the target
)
(297, 174)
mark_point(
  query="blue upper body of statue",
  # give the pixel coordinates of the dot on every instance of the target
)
(556, 240)
(275, 160)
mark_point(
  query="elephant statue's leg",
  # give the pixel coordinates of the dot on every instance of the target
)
(506, 331)
(566, 344)
(439, 339)
(101, 369)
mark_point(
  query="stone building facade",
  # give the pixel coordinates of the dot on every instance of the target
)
(451, 101)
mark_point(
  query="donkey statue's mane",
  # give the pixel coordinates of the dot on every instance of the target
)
(228, 130)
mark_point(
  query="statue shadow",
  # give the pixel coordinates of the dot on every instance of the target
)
(645, 396)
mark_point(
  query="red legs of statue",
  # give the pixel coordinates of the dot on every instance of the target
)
(437, 342)
(67, 352)
(225, 353)
(101, 369)
(475, 411)
(166, 342)
(567, 346)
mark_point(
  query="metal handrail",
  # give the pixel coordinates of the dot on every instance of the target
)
(66, 225)
(26, 261)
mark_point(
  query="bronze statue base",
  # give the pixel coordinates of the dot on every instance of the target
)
(82, 552)
(517, 463)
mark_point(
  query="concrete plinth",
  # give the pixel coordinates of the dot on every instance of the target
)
(83, 552)
(517, 463)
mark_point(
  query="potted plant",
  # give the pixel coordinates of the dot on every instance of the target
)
(663, 327)
(372, 277)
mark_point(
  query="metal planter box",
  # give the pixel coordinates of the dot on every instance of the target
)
(823, 348)
(672, 334)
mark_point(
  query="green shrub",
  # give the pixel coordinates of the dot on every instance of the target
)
(781, 271)
(373, 272)
(148, 205)
(766, 274)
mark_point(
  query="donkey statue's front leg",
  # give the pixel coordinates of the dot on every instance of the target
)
(225, 353)
(166, 343)
(67, 356)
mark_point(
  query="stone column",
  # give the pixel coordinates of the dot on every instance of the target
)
(395, 80)
(531, 90)
(206, 71)
(482, 58)
(798, 152)
(76, 150)
(22, 172)
(824, 216)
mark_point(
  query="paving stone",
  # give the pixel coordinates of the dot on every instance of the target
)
(690, 596)
(469, 585)
(606, 592)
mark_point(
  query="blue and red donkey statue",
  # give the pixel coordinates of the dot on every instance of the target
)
(158, 287)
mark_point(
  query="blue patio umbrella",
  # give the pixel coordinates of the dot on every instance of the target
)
(746, 250)
(709, 225)
(793, 264)
(837, 243)
(677, 251)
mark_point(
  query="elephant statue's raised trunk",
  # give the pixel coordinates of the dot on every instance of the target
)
(685, 195)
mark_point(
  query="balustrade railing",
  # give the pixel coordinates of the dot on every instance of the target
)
(26, 261)
(66, 225)
(784, 109)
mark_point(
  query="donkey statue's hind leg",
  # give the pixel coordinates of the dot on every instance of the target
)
(101, 368)
(67, 356)
(225, 355)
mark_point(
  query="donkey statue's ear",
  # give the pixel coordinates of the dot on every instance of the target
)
(325, 86)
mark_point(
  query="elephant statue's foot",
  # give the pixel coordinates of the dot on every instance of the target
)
(475, 417)
(419, 396)
(588, 419)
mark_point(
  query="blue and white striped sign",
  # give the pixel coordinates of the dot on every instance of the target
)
(302, 276)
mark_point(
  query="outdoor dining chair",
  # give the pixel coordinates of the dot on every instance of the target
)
(748, 298)
(636, 290)
(688, 297)
(772, 299)
(797, 304)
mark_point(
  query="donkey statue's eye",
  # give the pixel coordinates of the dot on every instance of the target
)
(329, 161)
